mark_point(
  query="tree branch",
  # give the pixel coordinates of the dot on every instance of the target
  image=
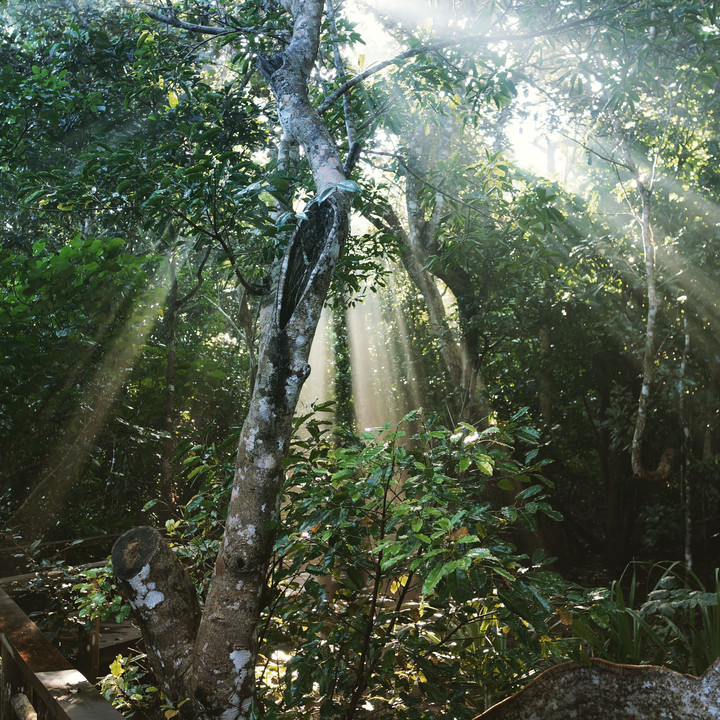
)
(174, 21)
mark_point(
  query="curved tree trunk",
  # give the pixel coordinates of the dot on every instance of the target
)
(649, 352)
(418, 246)
(653, 305)
(224, 652)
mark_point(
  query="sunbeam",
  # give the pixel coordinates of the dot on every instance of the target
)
(66, 460)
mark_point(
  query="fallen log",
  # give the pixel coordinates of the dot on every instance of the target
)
(607, 691)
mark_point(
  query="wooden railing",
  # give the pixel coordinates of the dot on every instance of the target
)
(37, 680)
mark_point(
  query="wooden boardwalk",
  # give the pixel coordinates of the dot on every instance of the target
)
(32, 666)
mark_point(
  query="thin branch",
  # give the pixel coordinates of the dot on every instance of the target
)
(199, 282)
(251, 288)
(434, 188)
(212, 30)
(225, 314)
(194, 27)
(353, 147)
(592, 151)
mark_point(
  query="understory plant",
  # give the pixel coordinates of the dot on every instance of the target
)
(655, 613)
(398, 589)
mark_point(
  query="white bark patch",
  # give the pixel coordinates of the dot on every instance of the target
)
(247, 534)
(240, 658)
(266, 462)
(147, 595)
(292, 386)
(250, 441)
(265, 410)
(244, 532)
(300, 340)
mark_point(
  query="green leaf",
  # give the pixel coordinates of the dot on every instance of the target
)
(506, 483)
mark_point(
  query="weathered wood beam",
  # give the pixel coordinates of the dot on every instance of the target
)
(608, 691)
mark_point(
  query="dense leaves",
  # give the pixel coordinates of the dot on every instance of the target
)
(147, 197)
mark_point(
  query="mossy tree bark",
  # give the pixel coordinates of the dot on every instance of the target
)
(222, 682)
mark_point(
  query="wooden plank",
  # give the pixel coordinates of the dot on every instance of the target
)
(78, 698)
(32, 664)
(25, 639)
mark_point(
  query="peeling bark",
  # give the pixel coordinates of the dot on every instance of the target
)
(606, 691)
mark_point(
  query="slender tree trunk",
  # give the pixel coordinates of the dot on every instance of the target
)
(686, 450)
(166, 484)
(648, 362)
(546, 377)
(653, 305)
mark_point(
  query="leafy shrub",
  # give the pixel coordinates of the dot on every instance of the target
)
(97, 596)
(397, 586)
(126, 686)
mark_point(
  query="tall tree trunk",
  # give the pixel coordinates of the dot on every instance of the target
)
(545, 392)
(166, 481)
(653, 305)
(648, 361)
(686, 450)
(225, 648)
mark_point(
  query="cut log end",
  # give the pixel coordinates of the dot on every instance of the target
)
(133, 550)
